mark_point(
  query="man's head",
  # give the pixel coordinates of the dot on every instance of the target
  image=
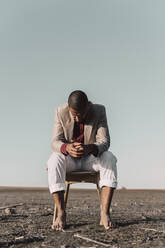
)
(78, 105)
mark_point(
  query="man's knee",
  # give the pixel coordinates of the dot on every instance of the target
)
(108, 158)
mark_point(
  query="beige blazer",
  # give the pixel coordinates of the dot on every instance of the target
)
(95, 128)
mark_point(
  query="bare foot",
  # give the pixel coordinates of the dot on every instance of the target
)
(60, 222)
(106, 221)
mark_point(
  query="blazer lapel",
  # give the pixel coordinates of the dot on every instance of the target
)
(88, 125)
(70, 127)
(87, 133)
(68, 124)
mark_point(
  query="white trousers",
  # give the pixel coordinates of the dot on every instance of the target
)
(58, 165)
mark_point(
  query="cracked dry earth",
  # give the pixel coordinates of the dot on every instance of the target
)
(139, 215)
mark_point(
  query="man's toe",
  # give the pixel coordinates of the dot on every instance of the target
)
(53, 227)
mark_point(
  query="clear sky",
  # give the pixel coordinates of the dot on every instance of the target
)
(114, 51)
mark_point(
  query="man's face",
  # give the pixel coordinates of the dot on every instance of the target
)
(78, 116)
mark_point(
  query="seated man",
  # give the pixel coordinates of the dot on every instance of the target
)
(80, 141)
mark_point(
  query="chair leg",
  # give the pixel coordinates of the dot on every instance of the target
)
(55, 213)
(66, 193)
(98, 191)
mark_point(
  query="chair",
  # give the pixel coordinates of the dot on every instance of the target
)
(79, 177)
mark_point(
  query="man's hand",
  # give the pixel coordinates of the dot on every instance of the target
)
(77, 150)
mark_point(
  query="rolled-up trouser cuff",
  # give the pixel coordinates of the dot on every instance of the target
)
(57, 187)
(108, 184)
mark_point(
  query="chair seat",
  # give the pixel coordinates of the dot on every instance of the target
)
(82, 172)
(82, 176)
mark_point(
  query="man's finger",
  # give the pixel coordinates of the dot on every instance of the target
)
(76, 153)
(73, 149)
(80, 148)
(77, 149)
(77, 145)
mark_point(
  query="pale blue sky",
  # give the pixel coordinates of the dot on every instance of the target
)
(114, 51)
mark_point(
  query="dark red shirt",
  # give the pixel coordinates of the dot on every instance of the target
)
(78, 136)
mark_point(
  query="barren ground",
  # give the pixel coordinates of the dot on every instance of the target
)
(139, 215)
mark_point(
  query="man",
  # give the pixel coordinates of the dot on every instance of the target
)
(80, 141)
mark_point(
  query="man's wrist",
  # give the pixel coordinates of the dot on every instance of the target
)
(92, 149)
(64, 149)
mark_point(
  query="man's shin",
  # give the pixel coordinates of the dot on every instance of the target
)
(106, 198)
(59, 201)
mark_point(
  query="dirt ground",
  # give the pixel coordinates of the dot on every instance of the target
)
(139, 215)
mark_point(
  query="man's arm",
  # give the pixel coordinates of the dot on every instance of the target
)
(59, 143)
(58, 138)
(102, 135)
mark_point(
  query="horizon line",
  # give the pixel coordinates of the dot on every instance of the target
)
(47, 188)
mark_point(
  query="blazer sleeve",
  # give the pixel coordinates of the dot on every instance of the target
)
(102, 134)
(58, 138)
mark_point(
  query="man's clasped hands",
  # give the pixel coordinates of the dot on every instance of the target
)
(77, 149)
